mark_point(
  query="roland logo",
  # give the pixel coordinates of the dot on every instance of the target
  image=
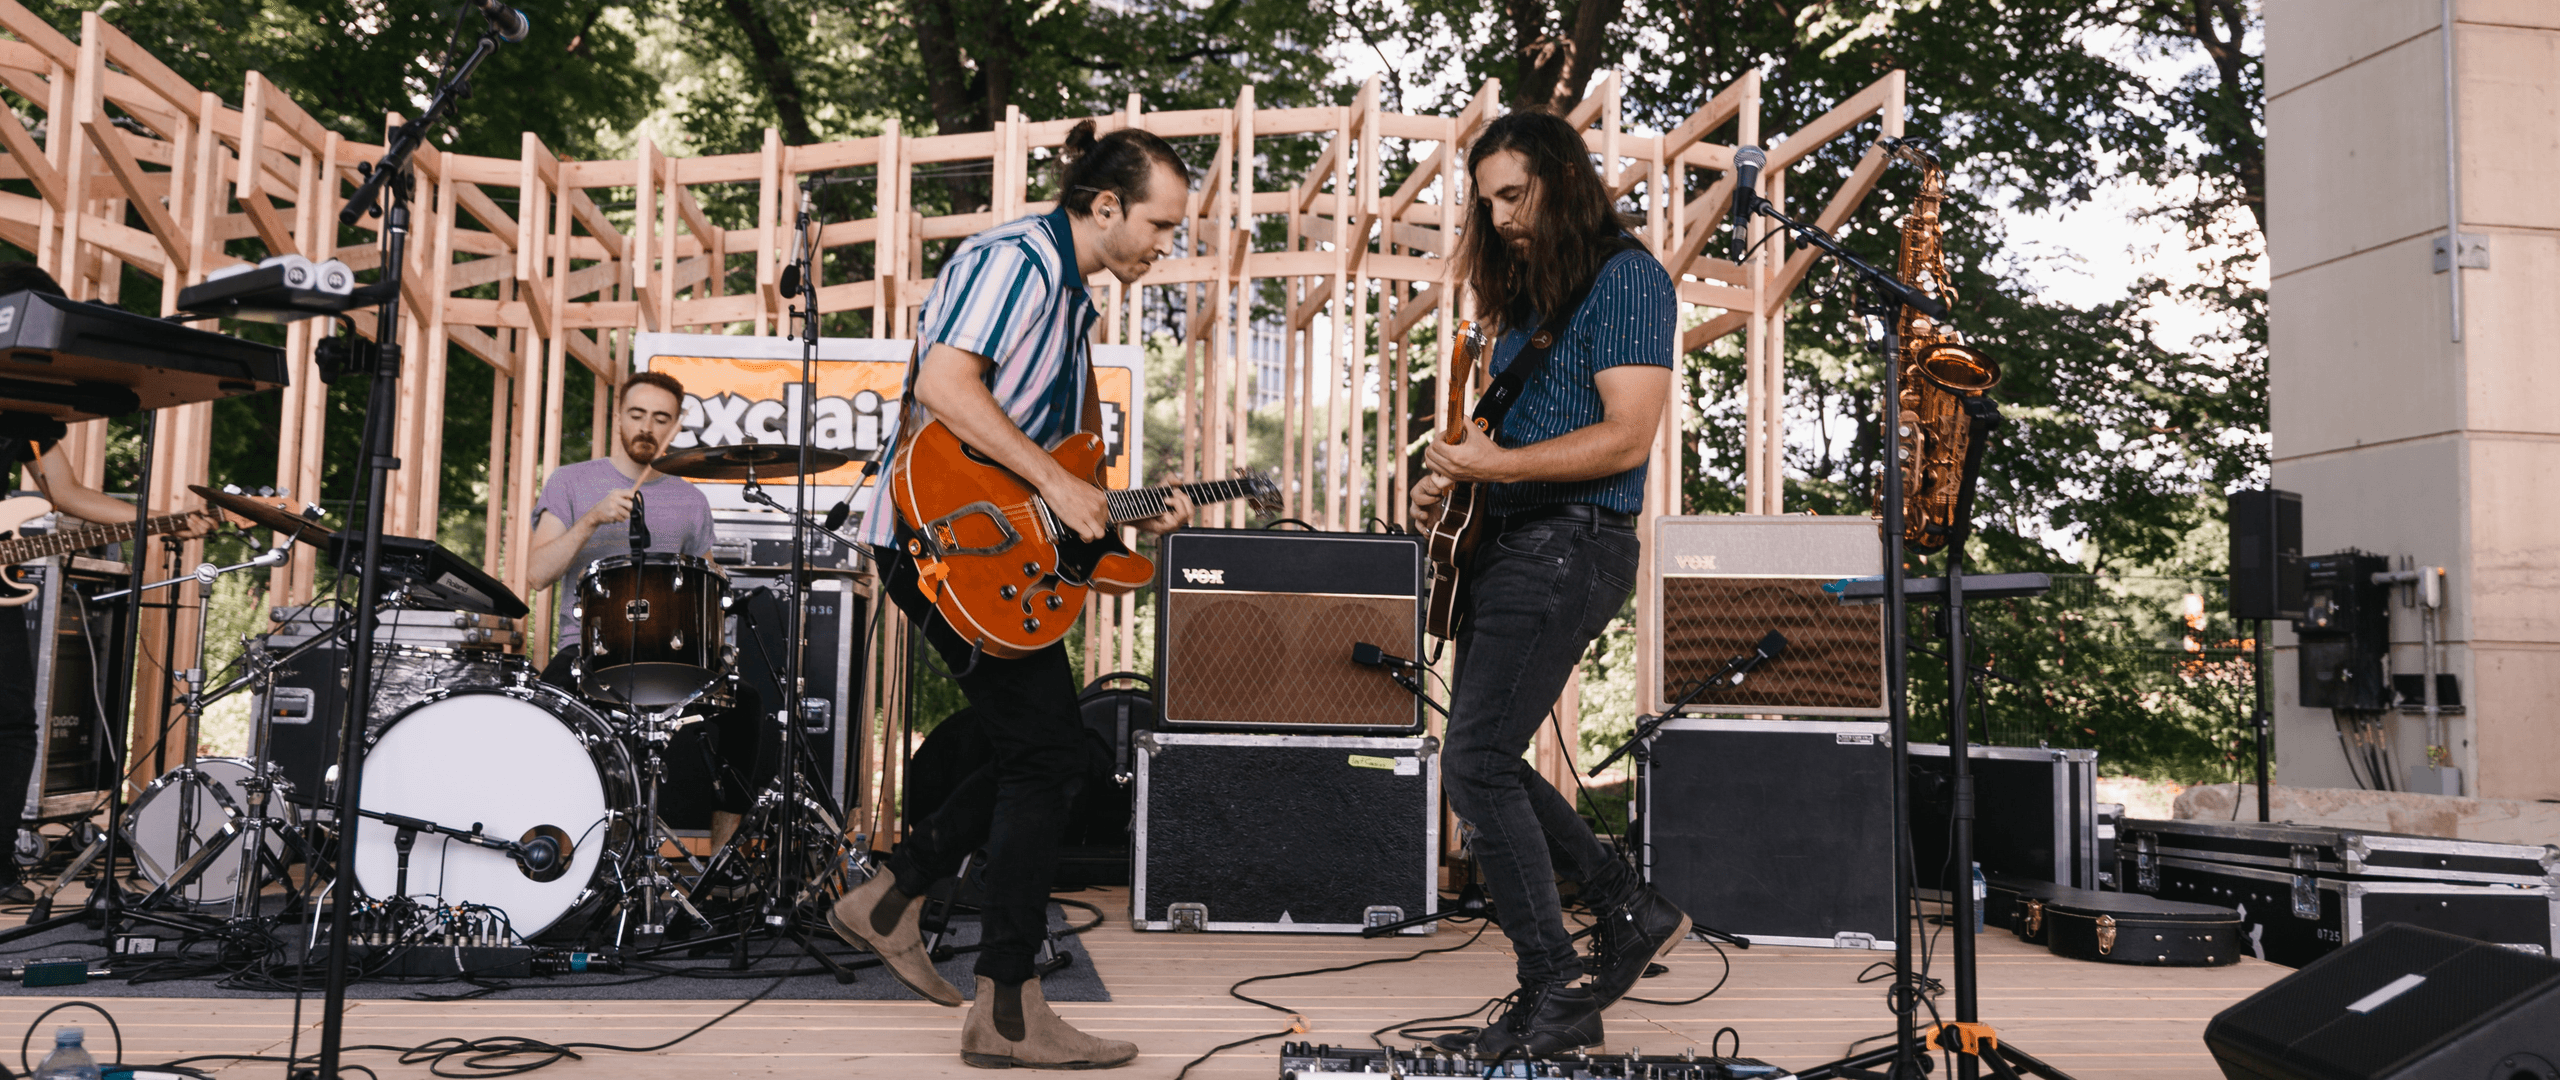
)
(1695, 562)
(1198, 576)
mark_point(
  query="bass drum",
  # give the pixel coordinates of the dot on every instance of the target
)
(152, 826)
(508, 761)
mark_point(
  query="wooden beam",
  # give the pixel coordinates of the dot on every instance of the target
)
(29, 158)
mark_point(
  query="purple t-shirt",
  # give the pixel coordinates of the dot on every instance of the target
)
(679, 521)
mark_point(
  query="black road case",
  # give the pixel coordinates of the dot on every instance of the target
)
(1780, 831)
(2303, 891)
(1285, 833)
(2035, 814)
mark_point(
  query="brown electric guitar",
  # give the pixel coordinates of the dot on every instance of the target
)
(1460, 522)
(998, 564)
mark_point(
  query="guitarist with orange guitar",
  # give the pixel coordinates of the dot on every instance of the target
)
(1553, 466)
(28, 441)
(993, 476)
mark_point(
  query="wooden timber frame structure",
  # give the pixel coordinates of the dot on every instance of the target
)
(134, 167)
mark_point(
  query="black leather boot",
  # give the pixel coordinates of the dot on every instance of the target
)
(1538, 1020)
(1628, 939)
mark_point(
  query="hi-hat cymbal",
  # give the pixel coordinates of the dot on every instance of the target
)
(764, 461)
(267, 515)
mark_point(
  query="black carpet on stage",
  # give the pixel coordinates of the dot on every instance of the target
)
(704, 978)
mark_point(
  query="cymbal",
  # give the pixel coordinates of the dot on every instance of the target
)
(765, 461)
(267, 515)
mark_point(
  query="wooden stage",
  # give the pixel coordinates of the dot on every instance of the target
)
(1792, 1007)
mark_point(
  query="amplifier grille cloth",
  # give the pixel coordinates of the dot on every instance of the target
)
(1834, 656)
(1283, 660)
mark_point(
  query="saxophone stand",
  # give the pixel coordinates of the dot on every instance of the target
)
(1975, 1044)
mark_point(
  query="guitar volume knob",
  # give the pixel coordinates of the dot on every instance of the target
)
(1007, 592)
(1030, 626)
(1031, 569)
(1055, 602)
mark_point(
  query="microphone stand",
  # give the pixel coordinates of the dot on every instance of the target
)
(1884, 298)
(386, 191)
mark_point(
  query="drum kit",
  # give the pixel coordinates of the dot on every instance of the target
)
(495, 795)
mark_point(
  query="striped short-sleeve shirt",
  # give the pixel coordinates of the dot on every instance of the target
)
(1014, 295)
(1632, 316)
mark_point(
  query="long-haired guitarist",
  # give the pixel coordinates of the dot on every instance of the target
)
(1589, 322)
(1004, 361)
(27, 440)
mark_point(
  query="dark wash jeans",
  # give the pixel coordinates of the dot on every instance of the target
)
(1540, 593)
(1017, 807)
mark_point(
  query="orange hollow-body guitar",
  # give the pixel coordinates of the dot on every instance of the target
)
(1459, 524)
(996, 562)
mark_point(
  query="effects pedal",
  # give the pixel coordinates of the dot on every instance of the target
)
(1313, 1061)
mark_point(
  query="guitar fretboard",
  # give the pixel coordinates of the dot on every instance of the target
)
(36, 547)
(1140, 503)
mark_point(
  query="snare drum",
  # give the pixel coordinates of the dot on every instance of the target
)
(651, 628)
(152, 826)
(510, 762)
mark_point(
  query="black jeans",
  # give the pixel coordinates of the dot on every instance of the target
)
(18, 719)
(1016, 808)
(1539, 593)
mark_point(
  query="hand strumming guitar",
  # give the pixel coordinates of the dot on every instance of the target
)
(1427, 493)
(1476, 458)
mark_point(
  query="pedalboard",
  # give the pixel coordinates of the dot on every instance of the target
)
(1315, 1061)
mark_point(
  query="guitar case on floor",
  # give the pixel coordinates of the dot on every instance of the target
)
(2130, 928)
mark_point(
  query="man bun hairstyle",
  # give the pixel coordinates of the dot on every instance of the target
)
(659, 379)
(1122, 163)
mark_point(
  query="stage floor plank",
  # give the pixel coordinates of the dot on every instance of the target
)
(1794, 1007)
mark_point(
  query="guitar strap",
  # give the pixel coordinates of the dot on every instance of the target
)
(1525, 368)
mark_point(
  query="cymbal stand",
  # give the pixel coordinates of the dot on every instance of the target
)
(193, 784)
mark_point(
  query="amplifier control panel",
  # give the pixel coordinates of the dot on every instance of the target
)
(1315, 1061)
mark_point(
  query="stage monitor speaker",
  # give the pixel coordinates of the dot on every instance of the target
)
(1254, 629)
(1721, 583)
(2266, 554)
(2399, 1003)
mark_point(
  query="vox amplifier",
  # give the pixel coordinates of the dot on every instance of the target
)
(1721, 583)
(1255, 627)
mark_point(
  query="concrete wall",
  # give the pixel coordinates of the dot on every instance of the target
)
(2402, 441)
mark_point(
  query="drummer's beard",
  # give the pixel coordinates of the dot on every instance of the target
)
(642, 447)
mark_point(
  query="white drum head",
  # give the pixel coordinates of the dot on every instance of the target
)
(151, 826)
(504, 763)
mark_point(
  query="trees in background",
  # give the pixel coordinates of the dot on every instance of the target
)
(2129, 418)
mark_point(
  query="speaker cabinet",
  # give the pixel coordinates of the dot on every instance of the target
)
(1255, 629)
(2401, 1003)
(1721, 583)
(1778, 830)
(2266, 554)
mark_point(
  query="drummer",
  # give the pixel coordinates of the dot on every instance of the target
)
(585, 509)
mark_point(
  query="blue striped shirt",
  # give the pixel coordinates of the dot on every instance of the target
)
(1632, 316)
(1011, 294)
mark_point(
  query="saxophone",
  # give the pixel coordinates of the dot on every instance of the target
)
(1942, 412)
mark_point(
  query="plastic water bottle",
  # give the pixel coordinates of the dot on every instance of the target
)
(69, 1060)
(1981, 895)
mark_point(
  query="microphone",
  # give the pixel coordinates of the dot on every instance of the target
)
(837, 514)
(543, 853)
(639, 523)
(1768, 649)
(1367, 655)
(1747, 163)
(510, 25)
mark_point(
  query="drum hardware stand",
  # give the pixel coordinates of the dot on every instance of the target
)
(657, 885)
(386, 190)
(191, 861)
(1974, 1044)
